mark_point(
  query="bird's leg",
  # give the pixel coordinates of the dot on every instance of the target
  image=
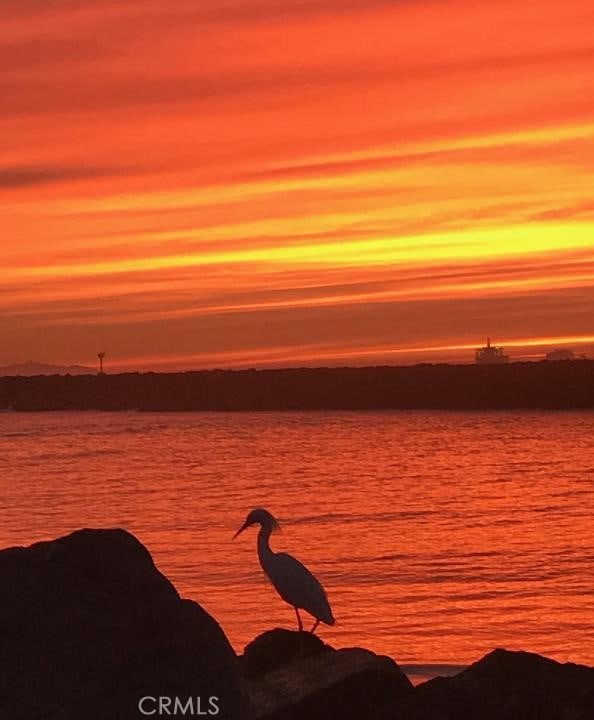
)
(299, 619)
(313, 630)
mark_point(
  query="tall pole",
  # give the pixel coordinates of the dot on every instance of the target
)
(101, 355)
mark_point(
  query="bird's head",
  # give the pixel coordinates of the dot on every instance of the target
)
(261, 516)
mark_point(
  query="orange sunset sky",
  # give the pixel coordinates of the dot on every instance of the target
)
(200, 183)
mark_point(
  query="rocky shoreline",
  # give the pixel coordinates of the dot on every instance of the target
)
(91, 630)
(562, 385)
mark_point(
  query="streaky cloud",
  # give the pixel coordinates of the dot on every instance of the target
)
(28, 176)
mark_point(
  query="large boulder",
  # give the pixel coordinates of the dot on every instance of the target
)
(503, 685)
(89, 627)
(583, 707)
(277, 648)
(347, 684)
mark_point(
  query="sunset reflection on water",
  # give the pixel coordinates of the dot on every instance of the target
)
(438, 536)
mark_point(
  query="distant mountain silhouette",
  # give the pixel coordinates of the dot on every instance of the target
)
(34, 368)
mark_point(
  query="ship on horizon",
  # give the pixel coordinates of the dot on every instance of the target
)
(491, 355)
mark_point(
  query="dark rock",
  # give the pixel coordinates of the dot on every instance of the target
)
(502, 685)
(276, 648)
(89, 626)
(582, 708)
(342, 684)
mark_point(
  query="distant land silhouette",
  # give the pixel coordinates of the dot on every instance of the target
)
(35, 368)
(553, 385)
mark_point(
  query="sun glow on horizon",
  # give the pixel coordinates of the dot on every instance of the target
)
(400, 190)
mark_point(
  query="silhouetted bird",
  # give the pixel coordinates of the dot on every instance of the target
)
(292, 580)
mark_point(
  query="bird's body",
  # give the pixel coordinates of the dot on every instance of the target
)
(292, 580)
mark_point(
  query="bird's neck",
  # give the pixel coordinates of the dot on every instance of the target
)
(264, 550)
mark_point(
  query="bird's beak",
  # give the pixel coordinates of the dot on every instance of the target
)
(241, 529)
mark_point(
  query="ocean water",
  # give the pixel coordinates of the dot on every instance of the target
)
(438, 535)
